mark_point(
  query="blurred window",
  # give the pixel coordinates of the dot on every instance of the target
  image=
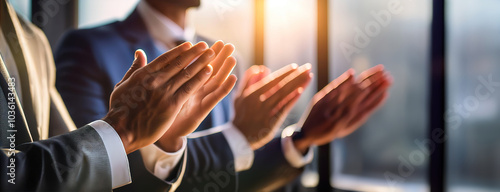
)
(473, 44)
(389, 152)
(92, 13)
(364, 33)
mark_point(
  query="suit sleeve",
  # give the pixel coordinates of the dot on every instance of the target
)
(270, 169)
(80, 80)
(207, 166)
(210, 165)
(144, 180)
(76, 161)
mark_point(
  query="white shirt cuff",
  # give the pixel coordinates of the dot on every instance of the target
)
(160, 162)
(242, 152)
(292, 155)
(120, 172)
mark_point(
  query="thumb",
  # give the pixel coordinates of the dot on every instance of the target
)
(252, 75)
(249, 73)
(263, 72)
(140, 60)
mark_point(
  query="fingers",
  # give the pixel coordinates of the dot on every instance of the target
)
(173, 67)
(371, 74)
(264, 71)
(346, 104)
(217, 46)
(186, 74)
(372, 98)
(187, 89)
(216, 96)
(164, 59)
(379, 101)
(355, 107)
(378, 89)
(339, 86)
(367, 111)
(252, 75)
(249, 73)
(140, 61)
(273, 79)
(222, 75)
(342, 81)
(300, 78)
(226, 51)
(361, 117)
(332, 103)
(286, 105)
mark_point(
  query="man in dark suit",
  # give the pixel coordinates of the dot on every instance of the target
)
(231, 156)
(92, 158)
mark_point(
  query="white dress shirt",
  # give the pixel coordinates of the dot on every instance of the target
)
(118, 161)
(164, 33)
(155, 160)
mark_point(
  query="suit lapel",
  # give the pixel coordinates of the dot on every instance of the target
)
(19, 128)
(9, 19)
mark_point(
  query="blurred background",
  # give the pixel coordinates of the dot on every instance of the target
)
(439, 129)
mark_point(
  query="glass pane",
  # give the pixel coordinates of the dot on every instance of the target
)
(473, 158)
(23, 8)
(385, 154)
(230, 21)
(92, 13)
(290, 37)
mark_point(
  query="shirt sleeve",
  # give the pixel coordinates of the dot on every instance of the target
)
(292, 155)
(242, 152)
(120, 172)
(160, 162)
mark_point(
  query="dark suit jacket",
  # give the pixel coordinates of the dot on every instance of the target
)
(91, 61)
(75, 161)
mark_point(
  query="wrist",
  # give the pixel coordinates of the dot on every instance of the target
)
(125, 137)
(300, 142)
(252, 140)
(170, 145)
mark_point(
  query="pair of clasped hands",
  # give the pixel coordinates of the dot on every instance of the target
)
(176, 91)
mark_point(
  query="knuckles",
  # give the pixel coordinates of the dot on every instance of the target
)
(178, 62)
(187, 88)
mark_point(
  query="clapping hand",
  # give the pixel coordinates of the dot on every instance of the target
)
(146, 101)
(266, 99)
(343, 106)
(204, 100)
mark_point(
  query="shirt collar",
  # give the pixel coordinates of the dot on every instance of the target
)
(163, 30)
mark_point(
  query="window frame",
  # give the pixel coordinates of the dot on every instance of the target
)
(436, 173)
(437, 101)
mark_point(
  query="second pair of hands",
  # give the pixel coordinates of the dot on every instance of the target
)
(173, 98)
(264, 99)
(261, 104)
(170, 98)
